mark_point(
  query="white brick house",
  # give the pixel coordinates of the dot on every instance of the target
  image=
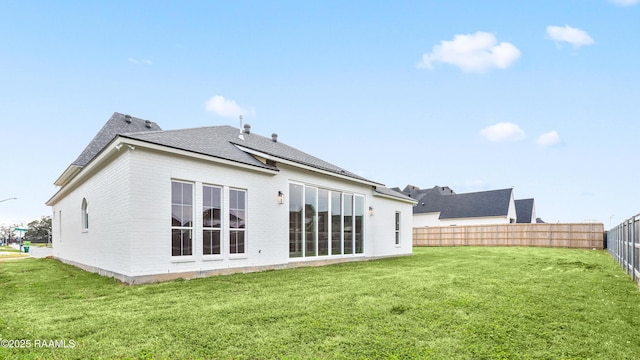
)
(142, 204)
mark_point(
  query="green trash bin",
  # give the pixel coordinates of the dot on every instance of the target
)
(26, 246)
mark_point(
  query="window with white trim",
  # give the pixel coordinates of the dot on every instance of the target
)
(323, 222)
(295, 220)
(358, 222)
(397, 227)
(181, 218)
(237, 221)
(211, 220)
(85, 215)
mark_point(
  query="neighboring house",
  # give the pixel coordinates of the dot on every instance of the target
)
(441, 206)
(526, 211)
(142, 204)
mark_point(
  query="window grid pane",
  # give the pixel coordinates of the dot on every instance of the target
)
(181, 218)
(310, 195)
(211, 220)
(397, 228)
(295, 220)
(323, 222)
(237, 221)
(359, 224)
(348, 224)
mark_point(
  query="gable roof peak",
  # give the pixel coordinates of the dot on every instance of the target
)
(116, 125)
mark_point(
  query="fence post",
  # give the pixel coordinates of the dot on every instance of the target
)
(626, 246)
(633, 248)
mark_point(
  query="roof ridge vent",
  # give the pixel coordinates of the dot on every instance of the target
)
(247, 129)
(127, 118)
(274, 137)
(147, 123)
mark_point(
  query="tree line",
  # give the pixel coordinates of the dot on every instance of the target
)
(38, 231)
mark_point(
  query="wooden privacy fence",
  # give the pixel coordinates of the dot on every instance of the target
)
(582, 236)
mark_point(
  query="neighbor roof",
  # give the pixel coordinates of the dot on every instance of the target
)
(524, 210)
(416, 193)
(467, 205)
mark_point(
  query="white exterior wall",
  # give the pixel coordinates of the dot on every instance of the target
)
(488, 220)
(533, 214)
(266, 220)
(130, 217)
(381, 227)
(426, 219)
(105, 245)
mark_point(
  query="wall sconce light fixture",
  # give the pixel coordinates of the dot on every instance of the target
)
(280, 197)
(370, 210)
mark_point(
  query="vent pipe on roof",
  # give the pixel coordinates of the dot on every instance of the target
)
(241, 137)
(127, 118)
(274, 137)
(247, 129)
(147, 123)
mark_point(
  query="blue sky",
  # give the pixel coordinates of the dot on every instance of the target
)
(541, 95)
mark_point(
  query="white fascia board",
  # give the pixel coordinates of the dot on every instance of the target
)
(121, 143)
(67, 175)
(83, 172)
(305, 167)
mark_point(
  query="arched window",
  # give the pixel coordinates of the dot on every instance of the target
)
(85, 215)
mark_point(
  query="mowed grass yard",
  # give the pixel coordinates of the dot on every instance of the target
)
(440, 303)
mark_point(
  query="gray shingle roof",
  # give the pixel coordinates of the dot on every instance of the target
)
(393, 192)
(117, 124)
(221, 141)
(212, 141)
(524, 210)
(217, 141)
(467, 205)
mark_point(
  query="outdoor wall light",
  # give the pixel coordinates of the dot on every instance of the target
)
(280, 198)
(370, 210)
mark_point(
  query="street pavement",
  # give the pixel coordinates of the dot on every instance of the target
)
(40, 252)
(36, 252)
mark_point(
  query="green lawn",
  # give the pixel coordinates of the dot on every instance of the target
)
(440, 303)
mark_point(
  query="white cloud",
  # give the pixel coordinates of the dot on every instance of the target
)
(503, 131)
(573, 36)
(549, 139)
(140, 61)
(226, 108)
(625, 2)
(472, 53)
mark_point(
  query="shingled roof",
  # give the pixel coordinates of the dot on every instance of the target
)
(524, 210)
(223, 142)
(467, 205)
(116, 125)
(393, 193)
(226, 142)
